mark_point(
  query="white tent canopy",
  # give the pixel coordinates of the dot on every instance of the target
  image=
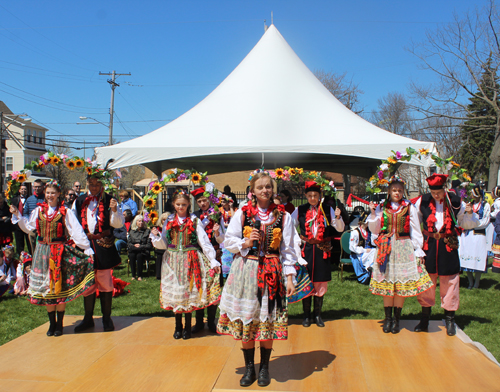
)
(270, 107)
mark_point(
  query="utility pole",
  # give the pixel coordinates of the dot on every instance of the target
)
(113, 85)
(1, 152)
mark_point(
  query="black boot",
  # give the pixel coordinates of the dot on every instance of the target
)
(199, 321)
(88, 321)
(395, 321)
(178, 326)
(306, 305)
(59, 324)
(186, 332)
(318, 304)
(52, 326)
(106, 299)
(423, 325)
(211, 311)
(449, 318)
(388, 319)
(249, 377)
(264, 377)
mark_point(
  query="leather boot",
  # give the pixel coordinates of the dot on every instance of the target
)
(52, 325)
(199, 321)
(318, 304)
(186, 332)
(249, 377)
(88, 321)
(264, 377)
(106, 299)
(212, 325)
(306, 305)
(395, 320)
(423, 325)
(59, 324)
(388, 319)
(178, 326)
(449, 318)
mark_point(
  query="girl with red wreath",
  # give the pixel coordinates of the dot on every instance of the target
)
(190, 273)
(316, 220)
(253, 304)
(59, 272)
(397, 271)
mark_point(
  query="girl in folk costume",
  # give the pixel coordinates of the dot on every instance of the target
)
(189, 276)
(314, 218)
(397, 272)
(227, 211)
(495, 249)
(253, 304)
(59, 272)
(23, 274)
(473, 248)
(363, 250)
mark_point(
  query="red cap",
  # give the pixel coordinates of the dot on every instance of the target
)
(437, 181)
(198, 192)
(312, 186)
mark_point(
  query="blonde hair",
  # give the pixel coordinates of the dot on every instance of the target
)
(184, 196)
(162, 219)
(133, 226)
(257, 177)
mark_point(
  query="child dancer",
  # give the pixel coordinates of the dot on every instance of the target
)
(189, 276)
(362, 249)
(23, 274)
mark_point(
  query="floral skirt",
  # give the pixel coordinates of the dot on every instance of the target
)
(178, 293)
(77, 274)
(404, 275)
(241, 314)
(226, 261)
(304, 287)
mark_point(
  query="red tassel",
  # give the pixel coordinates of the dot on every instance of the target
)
(349, 201)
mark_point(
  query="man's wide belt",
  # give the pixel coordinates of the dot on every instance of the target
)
(436, 236)
(98, 236)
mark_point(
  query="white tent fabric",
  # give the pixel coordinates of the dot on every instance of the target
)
(270, 107)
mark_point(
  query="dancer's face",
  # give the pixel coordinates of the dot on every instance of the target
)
(263, 189)
(181, 206)
(437, 194)
(313, 197)
(203, 203)
(52, 196)
(396, 191)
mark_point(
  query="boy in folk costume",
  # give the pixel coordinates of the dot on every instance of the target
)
(362, 249)
(441, 212)
(216, 236)
(99, 214)
(313, 219)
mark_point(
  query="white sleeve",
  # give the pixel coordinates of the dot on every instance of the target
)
(295, 217)
(206, 246)
(337, 223)
(374, 220)
(221, 234)
(116, 219)
(297, 243)
(485, 221)
(158, 241)
(76, 232)
(467, 221)
(233, 241)
(26, 224)
(288, 253)
(495, 209)
(353, 243)
(416, 236)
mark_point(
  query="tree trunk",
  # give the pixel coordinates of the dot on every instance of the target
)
(347, 186)
(494, 162)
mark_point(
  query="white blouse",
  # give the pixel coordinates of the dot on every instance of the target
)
(354, 241)
(160, 241)
(116, 219)
(234, 239)
(417, 239)
(74, 228)
(496, 208)
(485, 221)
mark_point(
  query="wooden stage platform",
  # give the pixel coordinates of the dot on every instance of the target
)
(141, 355)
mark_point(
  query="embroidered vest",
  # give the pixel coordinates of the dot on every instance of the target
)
(50, 231)
(277, 223)
(182, 240)
(456, 203)
(396, 222)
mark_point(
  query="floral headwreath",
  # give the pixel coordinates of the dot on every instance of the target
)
(385, 171)
(53, 182)
(299, 176)
(176, 175)
(181, 191)
(8, 247)
(257, 171)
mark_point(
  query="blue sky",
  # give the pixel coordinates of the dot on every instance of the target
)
(179, 51)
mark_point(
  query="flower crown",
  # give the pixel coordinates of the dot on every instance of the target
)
(181, 191)
(53, 182)
(257, 171)
(396, 178)
(7, 247)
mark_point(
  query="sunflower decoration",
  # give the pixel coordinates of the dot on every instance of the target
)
(70, 164)
(89, 170)
(156, 188)
(149, 203)
(153, 216)
(292, 171)
(56, 160)
(280, 173)
(79, 163)
(196, 178)
(21, 178)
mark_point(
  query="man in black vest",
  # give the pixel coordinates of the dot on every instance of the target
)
(440, 212)
(99, 214)
(20, 235)
(318, 223)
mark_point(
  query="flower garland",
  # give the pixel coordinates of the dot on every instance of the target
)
(52, 159)
(388, 166)
(176, 175)
(431, 223)
(319, 220)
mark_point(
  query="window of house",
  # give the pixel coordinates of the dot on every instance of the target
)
(40, 137)
(28, 136)
(9, 163)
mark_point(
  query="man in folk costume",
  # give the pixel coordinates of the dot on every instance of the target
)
(314, 219)
(99, 214)
(216, 237)
(441, 212)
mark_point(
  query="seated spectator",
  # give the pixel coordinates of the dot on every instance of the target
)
(7, 274)
(121, 234)
(363, 250)
(69, 198)
(227, 191)
(127, 202)
(159, 252)
(139, 246)
(23, 274)
(77, 188)
(357, 212)
(5, 223)
(286, 198)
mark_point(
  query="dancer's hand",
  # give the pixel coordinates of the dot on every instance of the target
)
(254, 236)
(373, 207)
(217, 270)
(337, 213)
(113, 204)
(290, 287)
(155, 231)
(468, 208)
(13, 210)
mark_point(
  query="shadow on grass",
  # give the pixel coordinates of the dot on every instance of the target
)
(487, 284)
(160, 313)
(463, 320)
(295, 366)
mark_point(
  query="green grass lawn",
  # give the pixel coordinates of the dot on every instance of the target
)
(478, 315)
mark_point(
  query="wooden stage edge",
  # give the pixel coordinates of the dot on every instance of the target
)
(346, 355)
